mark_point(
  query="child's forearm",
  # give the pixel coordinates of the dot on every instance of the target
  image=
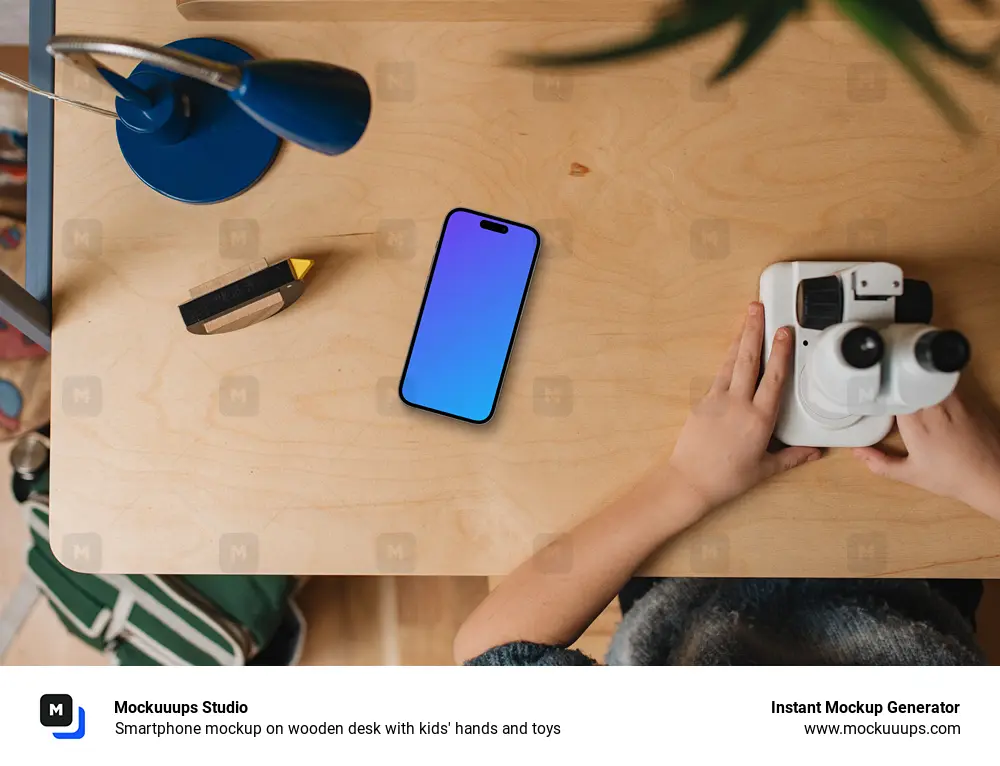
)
(721, 452)
(555, 595)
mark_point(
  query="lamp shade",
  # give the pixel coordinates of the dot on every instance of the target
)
(320, 106)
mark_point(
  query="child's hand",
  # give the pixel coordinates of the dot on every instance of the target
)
(952, 452)
(722, 449)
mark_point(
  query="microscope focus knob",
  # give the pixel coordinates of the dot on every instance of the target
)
(820, 302)
(862, 348)
(942, 351)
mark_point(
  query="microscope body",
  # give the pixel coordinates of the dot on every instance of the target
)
(864, 350)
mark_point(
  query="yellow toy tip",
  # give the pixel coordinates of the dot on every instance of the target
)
(300, 266)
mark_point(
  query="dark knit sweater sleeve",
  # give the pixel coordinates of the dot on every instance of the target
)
(525, 653)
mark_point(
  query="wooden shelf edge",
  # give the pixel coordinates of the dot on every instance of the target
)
(476, 10)
(417, 10)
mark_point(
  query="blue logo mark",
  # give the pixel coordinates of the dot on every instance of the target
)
(81, 727)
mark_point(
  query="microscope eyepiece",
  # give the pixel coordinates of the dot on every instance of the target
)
(942, 351)
(862, 348)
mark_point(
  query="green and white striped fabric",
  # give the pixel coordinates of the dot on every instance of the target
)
(164, 620)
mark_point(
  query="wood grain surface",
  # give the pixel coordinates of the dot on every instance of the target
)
(283, 448)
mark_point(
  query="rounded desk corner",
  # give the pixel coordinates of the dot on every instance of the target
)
(191, 9)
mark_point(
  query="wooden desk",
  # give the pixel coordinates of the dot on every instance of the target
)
(282, 447)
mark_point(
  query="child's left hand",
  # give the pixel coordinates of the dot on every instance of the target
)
(722, 449)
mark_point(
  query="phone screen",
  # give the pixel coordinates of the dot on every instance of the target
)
(465, 329)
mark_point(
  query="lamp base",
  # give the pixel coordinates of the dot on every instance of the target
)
(224, 152)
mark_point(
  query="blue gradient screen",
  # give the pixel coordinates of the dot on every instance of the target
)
(466, 327)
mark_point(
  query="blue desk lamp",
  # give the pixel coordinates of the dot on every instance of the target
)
(200, 121)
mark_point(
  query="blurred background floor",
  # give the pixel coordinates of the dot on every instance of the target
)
(13, 22)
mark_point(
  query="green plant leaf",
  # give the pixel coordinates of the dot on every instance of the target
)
(896, 25)
(914, 15)
(896, 39)
(760, 24)
(681, 23)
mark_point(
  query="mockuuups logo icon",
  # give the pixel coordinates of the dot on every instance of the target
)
(56, 712)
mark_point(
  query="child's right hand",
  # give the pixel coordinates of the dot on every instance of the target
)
(952, 452)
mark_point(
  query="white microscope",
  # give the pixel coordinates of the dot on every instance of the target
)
(864, 350)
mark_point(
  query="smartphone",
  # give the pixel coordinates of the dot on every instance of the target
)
(465, 330)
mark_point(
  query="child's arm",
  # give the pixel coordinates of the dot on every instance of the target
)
(720, 454)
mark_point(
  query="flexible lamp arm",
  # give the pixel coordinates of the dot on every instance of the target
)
(81, 50)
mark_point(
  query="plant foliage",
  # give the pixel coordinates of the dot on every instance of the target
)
(903, 28)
